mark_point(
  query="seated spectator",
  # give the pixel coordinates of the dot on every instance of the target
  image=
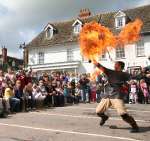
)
(4, 108)
(18, 92)
(70, 96)
(30, 101)
(58, 97)
(65, 91)
(14, 102)
(37, 95)
(42, 88)
(49, 96)
(77, 94)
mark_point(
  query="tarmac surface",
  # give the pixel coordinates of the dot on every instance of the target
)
(74, 123)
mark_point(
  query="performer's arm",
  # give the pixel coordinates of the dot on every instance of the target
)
(105, 70)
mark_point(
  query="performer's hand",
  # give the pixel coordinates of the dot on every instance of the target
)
(90, 61)
(94, 62)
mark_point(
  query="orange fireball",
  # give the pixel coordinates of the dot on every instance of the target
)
(130, 33)
(95, 38)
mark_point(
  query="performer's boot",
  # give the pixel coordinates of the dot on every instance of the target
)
(103, 118)
(132, 122)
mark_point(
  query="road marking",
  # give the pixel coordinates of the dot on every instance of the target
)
(78, 116)
(69, 132)
(76, 107)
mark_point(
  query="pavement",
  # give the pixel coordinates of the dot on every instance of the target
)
(74, 123)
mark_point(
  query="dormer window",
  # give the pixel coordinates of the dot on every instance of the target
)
(49, 31)
(77, 26)
(120, 19)
(119, 22)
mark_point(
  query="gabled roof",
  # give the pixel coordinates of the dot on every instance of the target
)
(119, 13)
(77, 21)
(65, 33)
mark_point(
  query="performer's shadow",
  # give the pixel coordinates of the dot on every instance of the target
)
(141, 129)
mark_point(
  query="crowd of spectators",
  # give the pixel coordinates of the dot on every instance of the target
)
(25, 90)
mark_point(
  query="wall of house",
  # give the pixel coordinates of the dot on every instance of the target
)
(130, 56)
(59, 54)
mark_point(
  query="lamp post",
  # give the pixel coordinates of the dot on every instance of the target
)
(22, 47)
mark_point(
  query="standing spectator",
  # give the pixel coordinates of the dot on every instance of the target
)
(22, 77)
(93, 91)
(144, 89)
(2, 83)
(10, 75)
(83, 85)
(133, 92)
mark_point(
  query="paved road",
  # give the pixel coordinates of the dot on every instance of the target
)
(73, 123)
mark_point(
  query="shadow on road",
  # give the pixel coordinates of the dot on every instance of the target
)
(141, 129)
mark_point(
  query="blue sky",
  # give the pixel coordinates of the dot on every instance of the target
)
(22, 20)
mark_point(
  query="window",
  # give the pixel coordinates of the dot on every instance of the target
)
(120, 52)
(140, 51)
(69, 55)
(119, 22)
(41, 58)
(49, 33)
(120, 19)
(77, 25)
(103, 56)
(77, 28)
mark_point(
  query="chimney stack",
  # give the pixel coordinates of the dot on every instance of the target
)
(4, 54)
(84, 13)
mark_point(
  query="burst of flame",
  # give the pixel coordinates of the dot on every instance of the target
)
(96, 72)
(95, 38)
(130, 33)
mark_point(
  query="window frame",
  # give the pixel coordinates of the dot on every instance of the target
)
(41, 57)
(49, 33)
(69, 55)
(121, 52)
(103, 56)
(77, 28)
(141, 46)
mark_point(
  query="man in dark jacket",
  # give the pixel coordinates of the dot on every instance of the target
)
(114, 94)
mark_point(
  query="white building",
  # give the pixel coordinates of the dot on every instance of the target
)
(57, 46)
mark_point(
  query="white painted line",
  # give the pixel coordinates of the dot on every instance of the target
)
(78, 116)
(68, 132)
(75, 107)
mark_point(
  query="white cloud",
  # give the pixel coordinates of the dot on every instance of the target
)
(27, 35)
(21, 20)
